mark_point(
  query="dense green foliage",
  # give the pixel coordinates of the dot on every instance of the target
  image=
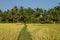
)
(37, 15)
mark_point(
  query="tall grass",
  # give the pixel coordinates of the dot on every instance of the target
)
(34, 31)
(9, 31)
(44, 31)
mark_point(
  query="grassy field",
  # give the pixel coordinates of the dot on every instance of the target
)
(44, 31)
(11, 31)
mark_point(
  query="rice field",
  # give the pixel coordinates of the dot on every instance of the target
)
(44, 31)
(11, 31)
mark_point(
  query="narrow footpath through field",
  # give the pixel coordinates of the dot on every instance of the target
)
(24, 34)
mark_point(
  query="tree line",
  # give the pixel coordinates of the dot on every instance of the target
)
(37, 15)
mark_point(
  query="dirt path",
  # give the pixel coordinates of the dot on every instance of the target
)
(24, 35)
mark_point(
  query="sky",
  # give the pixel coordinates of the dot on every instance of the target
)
(45, 4)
